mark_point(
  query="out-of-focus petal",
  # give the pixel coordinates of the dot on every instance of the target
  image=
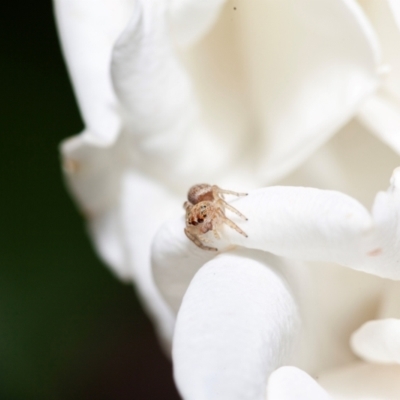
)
(390, 302)
(124, 210)
(355, 162)
(300, 65)
(144, 204)
(106, 232)
(361, 381)
(235, 326)
(381, 114)
(88, 30)
(378, 341)
(384, 15)
(291, 383)
(192, 19)
(92, 173)
(395, 7)
(314, 225)
(159, 108)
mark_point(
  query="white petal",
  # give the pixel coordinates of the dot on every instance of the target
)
(291, 383)
(390, 303)
(384, 15)
(313, 225)
(395, 8)
(381, 114)
(235, 326)
(175, 261)
(307, 77)
(106, 232)
(354, 162)
(378, 341)
(92, 173)
(362, 381)
(144, 204)
(124, 210)
(192, 19)
(167, 138)
(88, 30)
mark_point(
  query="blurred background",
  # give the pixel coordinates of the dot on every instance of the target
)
(68, 328)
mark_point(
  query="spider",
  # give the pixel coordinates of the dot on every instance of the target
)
(205, 211)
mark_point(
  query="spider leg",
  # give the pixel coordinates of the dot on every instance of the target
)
(217, 190)
(230, 223)
(230, 208)
(195, 239)
(216, 234)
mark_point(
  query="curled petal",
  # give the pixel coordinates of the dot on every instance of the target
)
(317, 225)
(306, 224)
(378, 341)
(191, 19)
(88, 30)
(291, 383)
(159, 107)
(360, 381)
(316, 74)
(235, 326)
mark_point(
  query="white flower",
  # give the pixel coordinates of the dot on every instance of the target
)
(247, 93)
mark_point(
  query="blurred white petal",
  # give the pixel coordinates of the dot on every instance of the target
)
(88, 30)
(159, 107)
(191, 19)
(235, 326)
(124, 210)
(307, 76)
(291, 383)
(354, 162)
(92, 173)
(106, 232)
(381, 114)
(361, 381)
(378, 341)
(390, 302)
(384, 15)
(144, 204)
(395, 8)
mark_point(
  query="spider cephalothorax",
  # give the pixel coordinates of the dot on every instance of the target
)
(205, 211)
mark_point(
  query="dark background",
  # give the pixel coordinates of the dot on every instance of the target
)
(68, 328)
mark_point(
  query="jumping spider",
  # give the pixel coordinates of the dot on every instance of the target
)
(205, 211)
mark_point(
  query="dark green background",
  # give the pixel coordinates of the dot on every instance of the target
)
(68, 329)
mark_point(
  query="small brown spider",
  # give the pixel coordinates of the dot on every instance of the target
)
(205, 211)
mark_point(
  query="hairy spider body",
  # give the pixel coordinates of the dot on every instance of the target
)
(205, 211)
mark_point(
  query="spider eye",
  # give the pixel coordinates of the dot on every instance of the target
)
(200, 220)
(193, 223)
